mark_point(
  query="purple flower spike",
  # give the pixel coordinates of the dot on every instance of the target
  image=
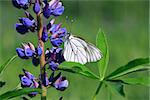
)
(36, 7)
(53, 66)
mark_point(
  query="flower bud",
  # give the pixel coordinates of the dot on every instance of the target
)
(36, 7)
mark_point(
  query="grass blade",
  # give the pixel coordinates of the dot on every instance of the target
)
(3, 67)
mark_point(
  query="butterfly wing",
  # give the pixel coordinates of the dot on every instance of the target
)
(74, 51)
(77, 50)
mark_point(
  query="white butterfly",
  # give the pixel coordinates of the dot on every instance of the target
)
(78, 50)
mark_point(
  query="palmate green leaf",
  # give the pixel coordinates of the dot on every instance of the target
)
(3, 67)
(137, 81)
(132, 66)
(116, 87)
(78, 69)
(18, 92)
(101, 43)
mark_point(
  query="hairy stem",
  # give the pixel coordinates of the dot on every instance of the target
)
(42, 58)
(97, 91)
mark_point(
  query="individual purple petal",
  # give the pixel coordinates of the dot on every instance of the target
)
(58, 50)
(28, 74)
(21, 28)
(47, 81)
(61, 83)
(39, 49)
(53, 66)
(28, 52)
(47, 11)
(20, 52)
(58, 11)
(27, 22)
(25, 81)
(31, 46)
(36, 7)
(35, 61)
(61, 32)
(21, 3)
(15, 3)
(56, 42)
(44, 35)
(55, 28)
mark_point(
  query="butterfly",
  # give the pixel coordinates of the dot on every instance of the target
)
(78, 50)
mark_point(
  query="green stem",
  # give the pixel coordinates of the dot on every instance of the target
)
(97, 90)
(42, 57)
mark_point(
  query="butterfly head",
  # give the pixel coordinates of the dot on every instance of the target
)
(67, 35)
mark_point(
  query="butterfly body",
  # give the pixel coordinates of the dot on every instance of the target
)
(78, 50)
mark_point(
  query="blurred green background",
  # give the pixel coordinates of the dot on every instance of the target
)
(125, 23)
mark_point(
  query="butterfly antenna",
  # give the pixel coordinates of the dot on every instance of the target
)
(69, 23)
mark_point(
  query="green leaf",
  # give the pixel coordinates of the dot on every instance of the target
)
(19, 92)
(137, 81)
(78, 69)
(2, 84)
(3, 67)
(132, 66)
(116, 87)
(101, 43)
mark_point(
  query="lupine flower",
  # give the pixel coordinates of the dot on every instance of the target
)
(21, 28)
(57, 34)
(59, 82)
(26, 24)
(54, 57)
(36, 7)
(54, 7)
(29, 51)
(21, 3)
(25, 52)
(28, 80)
(53, 65)
(35, 58)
